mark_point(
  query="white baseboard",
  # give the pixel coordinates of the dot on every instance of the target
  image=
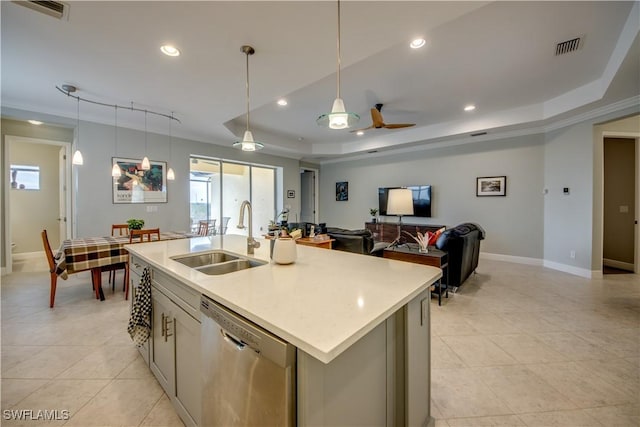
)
(618, 264)
(28, 255)
(511, 258)
(582, 272)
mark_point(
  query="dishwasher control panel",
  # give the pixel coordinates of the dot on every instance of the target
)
(230, 324)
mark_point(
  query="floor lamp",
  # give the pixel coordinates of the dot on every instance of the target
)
(400, 203)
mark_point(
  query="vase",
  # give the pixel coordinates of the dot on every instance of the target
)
(423, 249)
(284, 250)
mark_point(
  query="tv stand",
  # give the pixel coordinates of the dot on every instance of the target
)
(388, 231)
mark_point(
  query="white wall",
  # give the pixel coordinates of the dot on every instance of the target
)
(513, 224)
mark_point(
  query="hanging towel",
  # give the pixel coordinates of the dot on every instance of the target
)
(140, 321)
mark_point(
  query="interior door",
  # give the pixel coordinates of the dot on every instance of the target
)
(62, 198)
(307, 196)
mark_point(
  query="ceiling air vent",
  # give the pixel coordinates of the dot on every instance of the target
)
(568, 46)
(52, 8)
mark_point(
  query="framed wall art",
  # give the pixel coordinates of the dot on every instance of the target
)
(491, 186)
(342, 191)
(136, 185)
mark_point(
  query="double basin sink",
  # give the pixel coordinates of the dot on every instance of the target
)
(217, 262)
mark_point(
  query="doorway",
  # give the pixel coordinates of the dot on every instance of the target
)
(36, 198)
(620, 204)
(308, 195)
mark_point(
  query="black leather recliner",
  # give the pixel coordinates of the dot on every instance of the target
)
(462, 243)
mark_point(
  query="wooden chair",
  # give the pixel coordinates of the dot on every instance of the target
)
(117, 230)
(140, 234)
(52, 267)
(223, 226)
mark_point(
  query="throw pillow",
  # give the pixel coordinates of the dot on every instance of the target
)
(433, 237)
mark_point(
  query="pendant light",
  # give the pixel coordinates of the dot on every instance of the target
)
(338, 118)
(115, 170)
(77, 156)
(170, 174)
(145, 162)
(247, 143)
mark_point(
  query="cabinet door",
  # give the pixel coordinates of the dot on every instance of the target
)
(188, 389)
(163, 344)
(134, 281)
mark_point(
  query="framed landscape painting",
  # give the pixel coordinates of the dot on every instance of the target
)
(136, 185)
(491, 186)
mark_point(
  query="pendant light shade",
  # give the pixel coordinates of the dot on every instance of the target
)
(248, 143)
(171, 175)
(77, 156)
(338, 118)
(145, 164)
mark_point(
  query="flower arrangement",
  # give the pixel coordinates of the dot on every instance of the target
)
(135, 224)
(421, 239)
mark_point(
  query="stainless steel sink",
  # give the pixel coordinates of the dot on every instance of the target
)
(230, 266)
(217, 262)
(206, 258)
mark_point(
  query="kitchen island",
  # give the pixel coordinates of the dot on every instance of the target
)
(360, 325)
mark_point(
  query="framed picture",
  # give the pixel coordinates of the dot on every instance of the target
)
(136, 185)
(291, 194)
(491, 186)
(342, 191)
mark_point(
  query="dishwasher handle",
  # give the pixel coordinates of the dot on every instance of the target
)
(240, 345)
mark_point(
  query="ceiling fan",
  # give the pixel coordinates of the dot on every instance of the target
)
(378, 122)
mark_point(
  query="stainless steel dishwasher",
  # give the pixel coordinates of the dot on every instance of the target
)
(249, 374)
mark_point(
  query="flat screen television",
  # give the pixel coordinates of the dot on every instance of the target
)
(421, 199)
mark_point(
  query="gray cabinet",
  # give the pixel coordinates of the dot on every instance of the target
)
(175, 351)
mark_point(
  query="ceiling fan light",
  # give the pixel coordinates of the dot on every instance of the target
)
(145, 164)
(77, 158)
(115, 171)
(171, 176)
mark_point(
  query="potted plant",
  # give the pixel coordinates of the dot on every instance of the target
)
(135, 224)
(373, 212)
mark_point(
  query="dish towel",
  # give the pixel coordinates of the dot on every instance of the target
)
(140, 321)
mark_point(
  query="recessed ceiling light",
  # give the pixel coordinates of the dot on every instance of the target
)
(169, 50)
(469, 108)
(35, 122)
(360, 133)
(282, 102)
(417, 43)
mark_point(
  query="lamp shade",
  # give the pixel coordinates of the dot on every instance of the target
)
(400, 202)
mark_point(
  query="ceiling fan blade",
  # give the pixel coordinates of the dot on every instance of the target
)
(363, 129)
(376, 118)
(399, 125)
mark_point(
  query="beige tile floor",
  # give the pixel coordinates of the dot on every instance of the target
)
(516, 346)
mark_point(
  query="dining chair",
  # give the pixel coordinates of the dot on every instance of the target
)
(223, 226)
(140, 234)
(117, 230)
(52, 267)
(206, 227)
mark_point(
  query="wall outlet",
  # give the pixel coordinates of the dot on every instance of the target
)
(572, 254)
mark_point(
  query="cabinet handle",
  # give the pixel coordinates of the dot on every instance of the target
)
(166, 328)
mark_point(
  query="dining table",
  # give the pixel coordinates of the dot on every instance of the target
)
(96, 253)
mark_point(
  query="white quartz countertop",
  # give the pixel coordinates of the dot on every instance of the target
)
(322, 303)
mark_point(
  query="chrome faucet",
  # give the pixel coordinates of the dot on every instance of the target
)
(251, 242)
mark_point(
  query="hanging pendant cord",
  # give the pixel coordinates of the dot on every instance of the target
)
(247, 55)
(170, 139)
(116, 105)
(78, 118)
(145, 133)
(338, 49)
(116, 130)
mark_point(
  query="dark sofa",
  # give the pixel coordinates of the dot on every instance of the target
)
(357, 241)
(462, 243)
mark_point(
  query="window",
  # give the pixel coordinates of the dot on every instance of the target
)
(25, 177)
(218, 188)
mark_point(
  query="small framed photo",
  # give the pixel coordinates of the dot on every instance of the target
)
(491, 186)
(291, 194)
(342, 191)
